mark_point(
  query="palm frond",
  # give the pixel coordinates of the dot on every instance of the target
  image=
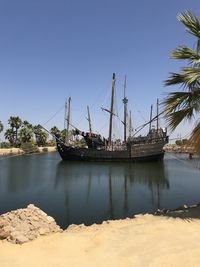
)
(188, 77)
(184, 52)
(174, 101)
(181, 105)
(174, 119)
(194, 140)
(191, 22)
(198, 45)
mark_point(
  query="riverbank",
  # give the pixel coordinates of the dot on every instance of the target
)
(146, 240)
(18, 151)
(172, 148)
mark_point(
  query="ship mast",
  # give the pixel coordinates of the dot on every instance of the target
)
(68, 120)
(89, 120)
(150, 118)
(157, 113)
(130, 125)
(65, 116)
(125, 101)
(111, 110)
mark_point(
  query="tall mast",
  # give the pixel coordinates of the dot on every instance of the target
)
(111, 109)
(65, 117)
(157, 112)
(150, 118)
(125, 101)
(89, 120)
(130, 125)
(68, 120)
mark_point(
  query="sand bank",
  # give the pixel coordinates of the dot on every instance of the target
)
(147, 240)
(10, 151)
(16, 151)
(48, 148)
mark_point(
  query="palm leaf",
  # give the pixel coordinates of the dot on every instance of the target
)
(188, 77)
(191, 22)
(194, 140)
(184, 52)
(175, 118)
(181, 105)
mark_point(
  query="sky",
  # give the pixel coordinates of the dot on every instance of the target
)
(53, 49)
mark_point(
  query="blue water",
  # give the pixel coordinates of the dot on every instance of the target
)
(75, 192)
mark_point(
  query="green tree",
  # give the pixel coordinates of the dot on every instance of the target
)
(27, 124)
(9, 134)
(55, 131)
(1, 127)
(185, 104)
(63, 135)
(40, 135)
(15, 124)
(26, 134)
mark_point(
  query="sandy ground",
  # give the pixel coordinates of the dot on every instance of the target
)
(145, 241)
(15, 151)
(49, 148)
(7, 151)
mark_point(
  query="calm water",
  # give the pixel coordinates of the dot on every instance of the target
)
(74, 192)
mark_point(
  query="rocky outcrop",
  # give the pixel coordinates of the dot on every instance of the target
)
(24, 225)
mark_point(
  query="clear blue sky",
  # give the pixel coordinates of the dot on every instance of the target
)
(52, 49)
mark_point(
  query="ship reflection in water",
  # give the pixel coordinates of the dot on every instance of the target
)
(95, 192)
(89, 192)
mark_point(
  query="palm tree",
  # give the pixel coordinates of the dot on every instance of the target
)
(185, 104)
(9, 134)
(15, 124)
(1, 127)
(26, 134)
(27, 124)
(40, 135)
(54, 131)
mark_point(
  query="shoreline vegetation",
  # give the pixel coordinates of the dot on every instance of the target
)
(164, 239)
(173, 148)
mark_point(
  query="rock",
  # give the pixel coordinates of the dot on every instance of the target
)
(3, 222)
(20, 239)
(32, 236)
(4, 234)
(31, 206)
(23, 225)
(35, 218)
(50, 219)
(43, 231)
(42, 213)
(22, 216)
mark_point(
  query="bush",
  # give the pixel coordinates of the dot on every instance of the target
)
(29, 147)
(5, 145)
(181, 142)
(51, 143)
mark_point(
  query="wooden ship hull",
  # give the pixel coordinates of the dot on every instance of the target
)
(133, 153)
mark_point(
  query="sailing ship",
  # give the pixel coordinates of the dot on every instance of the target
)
(132, 149)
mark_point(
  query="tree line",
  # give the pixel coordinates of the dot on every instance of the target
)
(23, 132)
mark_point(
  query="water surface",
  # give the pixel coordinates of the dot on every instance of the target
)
(81, 192)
